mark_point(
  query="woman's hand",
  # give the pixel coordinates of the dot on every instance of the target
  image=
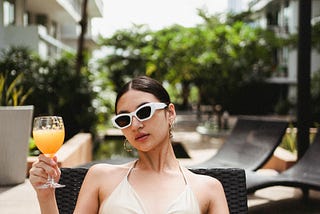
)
(41, 169)
(38, 175)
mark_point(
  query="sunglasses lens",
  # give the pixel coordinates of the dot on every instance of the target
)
(144, 112)
(123, 121)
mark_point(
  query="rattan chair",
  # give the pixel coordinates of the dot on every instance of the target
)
(67, 197)
(234, 184)
(232, 179)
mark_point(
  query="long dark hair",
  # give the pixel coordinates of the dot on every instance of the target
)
(145, 84)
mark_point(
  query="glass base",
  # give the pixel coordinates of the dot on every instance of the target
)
(51, 185)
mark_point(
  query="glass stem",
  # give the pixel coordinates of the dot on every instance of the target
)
(50, 181)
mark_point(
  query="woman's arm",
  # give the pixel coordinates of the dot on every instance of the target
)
(38, 175)
(88, 199)
(98, 184)
(48, 204)
(210, 193)
(218, 202)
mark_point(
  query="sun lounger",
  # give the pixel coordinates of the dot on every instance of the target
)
(250, 144)
(305, 174)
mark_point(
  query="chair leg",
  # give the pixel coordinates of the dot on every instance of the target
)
(305, 192)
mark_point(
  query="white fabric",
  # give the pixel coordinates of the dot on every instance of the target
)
(124, 200)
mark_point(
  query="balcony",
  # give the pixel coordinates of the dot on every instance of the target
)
(36, 38)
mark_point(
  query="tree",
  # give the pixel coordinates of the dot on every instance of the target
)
(83, 24)
(222, 60)
(173, 53)
(125, 58)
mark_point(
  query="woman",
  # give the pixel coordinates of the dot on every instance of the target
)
(156, 182)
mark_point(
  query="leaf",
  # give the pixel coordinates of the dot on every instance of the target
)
(2, 81)
(25, 96)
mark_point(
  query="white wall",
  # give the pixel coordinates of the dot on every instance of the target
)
(22, 36)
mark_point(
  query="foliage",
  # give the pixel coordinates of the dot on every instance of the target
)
(226, 60)
(12, 94)
(315, 79)
(222, 61)
(315, 96)
(56, 87)
(16, 64)
(66, 93)
(112, 149)
(125, 59)
(33, 150)
(289, 140)
(103, 102)
(283, 106)
(316, 36)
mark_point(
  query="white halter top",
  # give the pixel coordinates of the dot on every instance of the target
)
(124, 200)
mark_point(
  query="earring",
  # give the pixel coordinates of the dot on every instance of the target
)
(170, 130)
(125, 146)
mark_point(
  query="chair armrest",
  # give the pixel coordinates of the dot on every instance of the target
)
(233, 181)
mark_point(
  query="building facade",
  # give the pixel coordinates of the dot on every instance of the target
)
(282, 17)
(47, 27)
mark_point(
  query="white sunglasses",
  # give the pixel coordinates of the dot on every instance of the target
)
(144, 112)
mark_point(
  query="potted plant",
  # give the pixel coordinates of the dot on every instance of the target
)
(15, 130)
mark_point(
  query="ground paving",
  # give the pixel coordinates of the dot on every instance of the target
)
(22, 199)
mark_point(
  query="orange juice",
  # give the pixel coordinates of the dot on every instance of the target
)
(48, 141)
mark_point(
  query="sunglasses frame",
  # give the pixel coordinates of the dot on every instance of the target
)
(154, 106)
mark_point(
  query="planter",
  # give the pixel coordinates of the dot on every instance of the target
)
(281, 160)
(15, 132)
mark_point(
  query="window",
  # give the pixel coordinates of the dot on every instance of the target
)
(53, 29)
(286, 17)
(26, 19)
(8, 12)
(42, 19)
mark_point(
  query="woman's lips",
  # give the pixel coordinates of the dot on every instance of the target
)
(141, 137)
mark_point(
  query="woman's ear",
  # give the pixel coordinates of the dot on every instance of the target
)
(172, 113)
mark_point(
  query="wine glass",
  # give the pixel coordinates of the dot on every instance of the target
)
(48, 134)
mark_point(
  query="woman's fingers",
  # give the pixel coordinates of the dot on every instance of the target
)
(38, 171)
(47, 169)
(48, 160)
(56, 166)
(37, 176)
(42, 168)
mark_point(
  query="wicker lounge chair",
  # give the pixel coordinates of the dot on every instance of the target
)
(305, 174)
(250, 144)
(233, 181)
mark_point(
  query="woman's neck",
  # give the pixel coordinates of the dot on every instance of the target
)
(158, 160)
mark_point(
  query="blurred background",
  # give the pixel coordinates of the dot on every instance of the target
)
(70, 57)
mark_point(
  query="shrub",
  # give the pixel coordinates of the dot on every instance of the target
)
(56, 87)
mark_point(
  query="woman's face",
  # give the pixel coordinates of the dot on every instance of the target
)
(149, 134)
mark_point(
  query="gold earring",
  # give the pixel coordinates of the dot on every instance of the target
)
(170, 130)
(125, 146)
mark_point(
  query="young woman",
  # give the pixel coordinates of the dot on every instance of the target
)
(155, 183)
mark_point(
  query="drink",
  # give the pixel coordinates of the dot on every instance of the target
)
(48, 141)
(48, 134)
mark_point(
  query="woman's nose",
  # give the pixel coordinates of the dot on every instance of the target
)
(136, 123)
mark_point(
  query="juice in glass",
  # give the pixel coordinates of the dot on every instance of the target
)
(48, 141)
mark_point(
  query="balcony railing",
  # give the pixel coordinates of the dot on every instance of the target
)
(36, 38)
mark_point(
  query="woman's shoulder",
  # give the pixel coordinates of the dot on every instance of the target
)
(102, 167)
(203, 181)
(105, 170)
(209, 191)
